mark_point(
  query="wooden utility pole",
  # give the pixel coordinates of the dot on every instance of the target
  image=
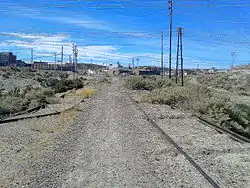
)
(170, 35)
(162, 58)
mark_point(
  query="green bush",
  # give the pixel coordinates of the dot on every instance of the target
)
(63, 75)
(63, 85)
(10, 105)
(146, 83)
(169, 96)
(20, 100)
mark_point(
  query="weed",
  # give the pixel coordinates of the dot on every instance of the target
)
(86, 93)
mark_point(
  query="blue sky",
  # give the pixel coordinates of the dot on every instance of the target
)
(111, 31)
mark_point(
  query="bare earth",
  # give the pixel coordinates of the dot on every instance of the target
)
(107, 142)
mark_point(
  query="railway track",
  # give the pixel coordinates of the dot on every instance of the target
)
(212, 182)
(231, 134)
(220, 129)
(14, 119)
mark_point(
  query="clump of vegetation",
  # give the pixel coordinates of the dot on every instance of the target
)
(63, 85)
(86, 93)
(146, 83)
(207, 103)
(238, 83)
(18, 100)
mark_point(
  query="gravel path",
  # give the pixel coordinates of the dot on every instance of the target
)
(119, 148)
(106, 142)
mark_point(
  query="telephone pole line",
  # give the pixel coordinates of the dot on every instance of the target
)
(162, 60)
(170, 35)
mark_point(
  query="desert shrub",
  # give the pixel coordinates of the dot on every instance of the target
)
(63, 75)
(14, 92)
(15, 69)
(6, 76)
(18, 100)
(63, 85)
(238, 83)
(169, 96)
(33, 104)
(239, 119)
(10, 105)
(146, 83)
(48, 92)
(207, 103)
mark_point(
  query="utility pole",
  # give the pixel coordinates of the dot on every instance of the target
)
(62, 59)
(70, 61)
(137, 60)
(179, 54)
(162, 60)
(177, 59)
(198, 66)
(233, 54)
(170, 35)
(182, 70)
(31, 57)
(133, 62)
(55, 61)
(75, 53)
(55, 58)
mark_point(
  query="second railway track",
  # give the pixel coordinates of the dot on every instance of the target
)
(13, 119)
(210, 180)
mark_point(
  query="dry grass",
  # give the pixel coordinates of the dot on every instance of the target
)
(86, 93)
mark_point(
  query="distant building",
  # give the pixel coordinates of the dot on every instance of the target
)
(20, 63)
(39, 65)
(7, 59)
(147, 71)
